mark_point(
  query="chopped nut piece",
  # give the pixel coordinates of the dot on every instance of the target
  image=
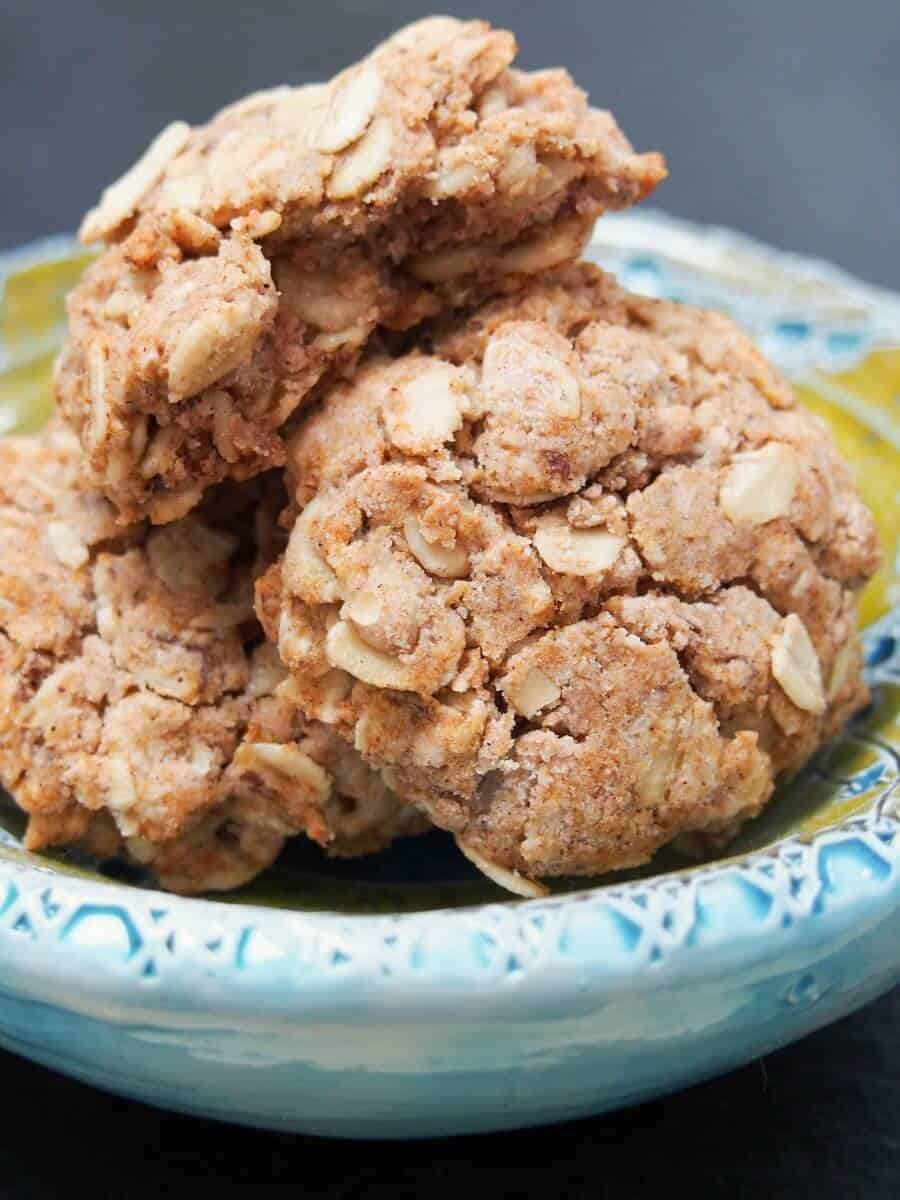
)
(759, 485)
(445, 265)
(211, 347)
(306, 571)
(560, 244)
(576, 551)
(424, 412)
(532, 693)
(363, 609)
(345, 648)
(796, 666)
(449, 562)
(258, 225)
(841, 668)
(493, 101)
(453, 178)
(319, 298)
(287, 760)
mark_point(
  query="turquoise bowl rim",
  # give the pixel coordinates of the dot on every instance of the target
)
(104, 947)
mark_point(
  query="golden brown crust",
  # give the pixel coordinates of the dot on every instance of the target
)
(578, 580)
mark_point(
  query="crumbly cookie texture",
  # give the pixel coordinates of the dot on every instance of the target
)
(137, 706)
(577, 581)
(255, 254)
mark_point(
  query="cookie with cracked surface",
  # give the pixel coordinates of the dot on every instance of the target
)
(256, 253)
(577, 580)
(137, 706)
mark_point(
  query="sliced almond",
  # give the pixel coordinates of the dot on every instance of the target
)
(210, 347)
(192, 233)
(510, 881)
(531, 692)
(345, 648)
(351, 106)
(287, 760)
(840, 670)
(796, 666)
(448, 562)
(759, 484)
(121, 198)
(452, 178)
(359, 167)
(581, 552)
(562, 243)
(425, 411)
(318, 297)
(452, 263)
(266, 98)
(306, 573)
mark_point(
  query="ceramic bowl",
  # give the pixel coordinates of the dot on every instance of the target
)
(403, 997)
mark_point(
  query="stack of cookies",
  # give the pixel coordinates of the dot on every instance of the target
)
(369, 508)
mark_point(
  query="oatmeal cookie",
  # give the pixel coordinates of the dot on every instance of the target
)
(137, 706)
(576, 580)
(252, 255)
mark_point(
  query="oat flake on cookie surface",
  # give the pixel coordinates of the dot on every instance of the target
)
(250, 257)
(137, 706)
(577, 577)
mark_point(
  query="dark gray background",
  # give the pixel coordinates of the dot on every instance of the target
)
(779, 117)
